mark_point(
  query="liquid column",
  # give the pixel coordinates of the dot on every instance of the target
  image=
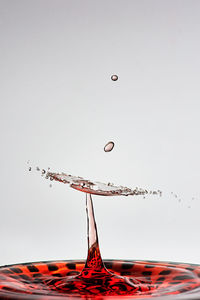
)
(96, 278)
(94, 261)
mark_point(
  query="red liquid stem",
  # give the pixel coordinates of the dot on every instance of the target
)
(95, 277)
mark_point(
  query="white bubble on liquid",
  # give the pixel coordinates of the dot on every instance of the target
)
(43, 171)
(109, 146)
(114, 77)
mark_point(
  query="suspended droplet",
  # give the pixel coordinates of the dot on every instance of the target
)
(109, 146)
(29, 169)
(43, 171)
(114, 77)
(37, 169)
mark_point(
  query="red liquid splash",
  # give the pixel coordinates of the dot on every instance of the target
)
(132, 279)
(98, 279)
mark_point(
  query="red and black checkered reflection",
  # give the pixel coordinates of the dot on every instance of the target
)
(62, 278)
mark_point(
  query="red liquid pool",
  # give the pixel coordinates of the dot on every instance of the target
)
(65, 279)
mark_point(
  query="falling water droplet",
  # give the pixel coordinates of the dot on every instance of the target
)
(114, 77)
(109, 146)
(29, 169)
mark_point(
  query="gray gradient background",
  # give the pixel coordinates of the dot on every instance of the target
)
(59, 107)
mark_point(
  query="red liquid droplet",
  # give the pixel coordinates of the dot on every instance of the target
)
(114, 77)
(109, 146)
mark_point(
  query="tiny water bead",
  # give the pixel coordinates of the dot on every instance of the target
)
(114, 77)
(109, 146)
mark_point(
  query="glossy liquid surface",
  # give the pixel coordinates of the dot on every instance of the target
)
(51, 280)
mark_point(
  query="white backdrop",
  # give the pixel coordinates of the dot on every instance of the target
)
(59, 107)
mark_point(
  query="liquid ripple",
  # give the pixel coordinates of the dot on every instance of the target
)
(46, 280)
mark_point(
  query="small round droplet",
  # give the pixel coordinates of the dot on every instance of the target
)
(109, 146)
(114, 77)
(29, 169)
